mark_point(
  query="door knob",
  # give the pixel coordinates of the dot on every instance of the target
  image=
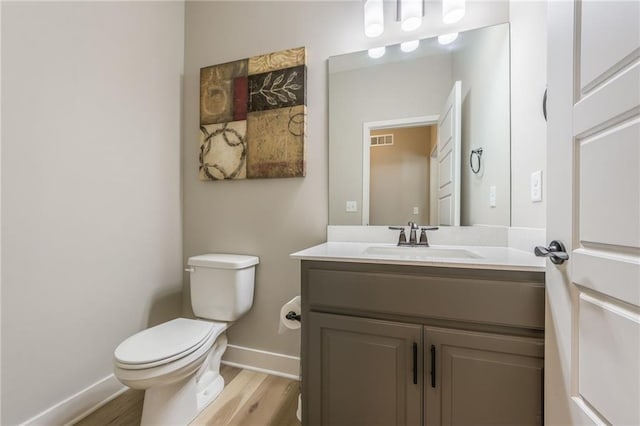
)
(556, 252)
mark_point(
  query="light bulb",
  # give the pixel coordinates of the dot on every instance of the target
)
(377, 52)
(373, 18)
(410, 14)
(409, 46)
(447, 38)
(452, 10)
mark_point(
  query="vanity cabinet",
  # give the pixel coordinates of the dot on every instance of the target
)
(482, 378)
(408, 345)
(365, 370)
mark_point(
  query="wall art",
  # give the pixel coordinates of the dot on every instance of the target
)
(253, 117)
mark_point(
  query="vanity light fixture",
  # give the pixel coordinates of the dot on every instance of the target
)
(410, 14)
(453, 10)
(447, 38)
(373, 18)
(409, 46)
(377, 52)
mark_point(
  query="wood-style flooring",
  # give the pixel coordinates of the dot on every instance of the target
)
(248, 398)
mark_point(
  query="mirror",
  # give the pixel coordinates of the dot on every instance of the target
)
(399, 151)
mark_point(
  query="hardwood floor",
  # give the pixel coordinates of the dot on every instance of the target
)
(249, 398)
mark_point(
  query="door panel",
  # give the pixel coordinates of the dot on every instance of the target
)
(592, 328)
(599, 52)
(614, 98)
(445, 207)
(609, 359)
(446, 170)
(482, 378)
(446, 128)
(609, 161)
(363, 370)
(594, 270)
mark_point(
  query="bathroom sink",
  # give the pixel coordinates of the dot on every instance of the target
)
(419, 252)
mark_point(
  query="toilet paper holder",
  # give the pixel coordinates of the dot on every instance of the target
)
(292, 315)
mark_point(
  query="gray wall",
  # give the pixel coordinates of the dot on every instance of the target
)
(272, 218)
(91, 223)
(269, 218)
(528, 126)
(482, 64)
(400, 176)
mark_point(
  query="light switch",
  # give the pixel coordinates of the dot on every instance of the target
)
(536, 186)
(492, 196)
(352, 206)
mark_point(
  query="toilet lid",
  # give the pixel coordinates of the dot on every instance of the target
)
(164, 343)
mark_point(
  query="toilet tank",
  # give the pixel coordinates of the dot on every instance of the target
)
(222, 285)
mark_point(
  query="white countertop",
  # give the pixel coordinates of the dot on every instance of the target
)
(497, 258)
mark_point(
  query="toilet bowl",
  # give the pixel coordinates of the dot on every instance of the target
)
(177, 363)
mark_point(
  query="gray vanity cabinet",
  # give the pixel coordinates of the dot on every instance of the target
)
(373, 335)
(360, 360)
(475, 378)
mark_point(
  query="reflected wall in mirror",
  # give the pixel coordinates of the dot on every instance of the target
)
(400, 94)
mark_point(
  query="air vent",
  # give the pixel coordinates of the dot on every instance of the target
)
(381, 140)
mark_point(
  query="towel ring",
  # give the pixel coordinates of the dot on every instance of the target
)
(477, 152)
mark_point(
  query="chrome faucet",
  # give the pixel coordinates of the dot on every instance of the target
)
(413, 241)
(413, 227)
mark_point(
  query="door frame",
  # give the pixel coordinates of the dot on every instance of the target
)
(367, 127)
(433, 185)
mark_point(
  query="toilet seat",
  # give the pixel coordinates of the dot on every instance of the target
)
(166, 343)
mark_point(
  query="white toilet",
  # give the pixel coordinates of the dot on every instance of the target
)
(178, 362)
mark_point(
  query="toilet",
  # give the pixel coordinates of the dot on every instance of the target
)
(178, 362)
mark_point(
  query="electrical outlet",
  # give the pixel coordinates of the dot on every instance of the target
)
(416, 210)
(536, 186)
(492, 196)
(352, 206)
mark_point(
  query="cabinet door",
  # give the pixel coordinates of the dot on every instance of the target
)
(482, 378)
(363, 371)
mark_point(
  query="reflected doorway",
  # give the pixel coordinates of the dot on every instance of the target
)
(399, 172)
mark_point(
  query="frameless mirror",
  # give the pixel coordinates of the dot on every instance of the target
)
(422, 136)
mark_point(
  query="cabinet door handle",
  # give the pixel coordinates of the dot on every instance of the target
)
(433, 366)
(415, 363)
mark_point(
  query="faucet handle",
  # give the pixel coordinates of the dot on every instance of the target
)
(402, 239)
(423, 234)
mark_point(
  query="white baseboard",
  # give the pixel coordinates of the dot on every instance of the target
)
(265, 362)
(79, 405)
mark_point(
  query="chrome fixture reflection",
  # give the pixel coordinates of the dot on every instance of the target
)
(377, 52)
(409, 46)
(447, 38)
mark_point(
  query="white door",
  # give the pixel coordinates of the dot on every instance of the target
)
(449, 131)
(592, 343)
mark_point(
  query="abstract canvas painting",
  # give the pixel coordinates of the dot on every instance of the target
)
(253, 117)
